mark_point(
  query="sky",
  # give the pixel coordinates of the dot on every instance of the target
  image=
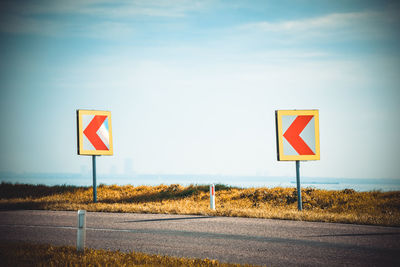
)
(193, 85)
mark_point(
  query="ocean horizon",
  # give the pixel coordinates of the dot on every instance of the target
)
(79, 179)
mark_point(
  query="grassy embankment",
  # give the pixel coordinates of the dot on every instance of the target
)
(345, 206)
(46, 255)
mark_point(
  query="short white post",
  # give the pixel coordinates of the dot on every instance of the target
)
(212, 197)
(80, 240)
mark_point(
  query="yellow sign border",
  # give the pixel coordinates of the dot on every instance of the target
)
(279, 134)
(82, 151)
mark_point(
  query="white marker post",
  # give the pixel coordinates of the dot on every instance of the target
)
(81, 236)
(212, 197)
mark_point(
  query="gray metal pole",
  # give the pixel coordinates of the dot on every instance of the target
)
(299, 203)
(94, 179)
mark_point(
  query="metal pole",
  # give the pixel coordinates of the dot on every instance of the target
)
(299, 203)
(94, 179)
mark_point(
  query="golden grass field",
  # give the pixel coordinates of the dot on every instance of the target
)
(45, 255)
(345, 206)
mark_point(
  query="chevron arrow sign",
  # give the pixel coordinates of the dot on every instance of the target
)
(297, 134)
(94, 132)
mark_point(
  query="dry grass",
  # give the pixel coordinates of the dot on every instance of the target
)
(45, 255)
(345, 206)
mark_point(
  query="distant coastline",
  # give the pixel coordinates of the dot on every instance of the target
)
(293, 182)
(79, 179)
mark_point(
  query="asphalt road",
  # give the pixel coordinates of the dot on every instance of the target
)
(235, 240)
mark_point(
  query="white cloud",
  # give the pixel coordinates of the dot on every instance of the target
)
(24, 25)
(107, 8)
(97, 18)
(367, 24)
(45, 27)
(325, 22)
(107, 30)
(155, 8)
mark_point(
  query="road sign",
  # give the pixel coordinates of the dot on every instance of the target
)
(297, 134)
(94, 132)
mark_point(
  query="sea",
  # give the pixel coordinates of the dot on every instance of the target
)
(85, 179)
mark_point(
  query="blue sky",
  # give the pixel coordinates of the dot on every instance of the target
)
(193, 85)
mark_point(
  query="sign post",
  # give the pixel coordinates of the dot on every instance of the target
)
(94, 137)
(297, 136)
(299, 202)
(94, 179)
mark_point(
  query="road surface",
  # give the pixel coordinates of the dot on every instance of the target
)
(234, 240)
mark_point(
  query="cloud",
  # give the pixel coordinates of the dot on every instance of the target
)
(107, 30)
(366, 24)
(155, 8)
(88, 18)
(45, 27)
(106, 8)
